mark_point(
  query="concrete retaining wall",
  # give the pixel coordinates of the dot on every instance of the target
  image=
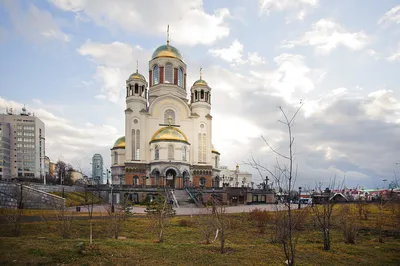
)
(55, 188)
(10, 196)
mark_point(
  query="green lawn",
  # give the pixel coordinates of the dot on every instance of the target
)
(78, 198)
(40, 244)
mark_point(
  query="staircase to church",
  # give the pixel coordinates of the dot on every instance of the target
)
(183, 199)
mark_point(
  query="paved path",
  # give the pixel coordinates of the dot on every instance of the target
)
(193, 211)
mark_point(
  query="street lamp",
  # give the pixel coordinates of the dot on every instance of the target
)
(299, 197)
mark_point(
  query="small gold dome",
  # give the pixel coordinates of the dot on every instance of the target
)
(167, 51)
(169, 133)
(137, 75)
(119, 143)
(200, 82)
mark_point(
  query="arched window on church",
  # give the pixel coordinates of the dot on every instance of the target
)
(127, 91)
(156, 75)
(142, 91)
(169, 114)
(115, 157)
(169, 73)
(206, 96)
(133, 144)
(202, 94)
(183, 153)
(204, 147)
(136, 88)
(130, 90)
(180, 77)
(157, 153)
(137, 144)
(195, 96)
(200, 148)
(170, 152)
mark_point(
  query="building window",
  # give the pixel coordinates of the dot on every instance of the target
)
(199, 147)
(115, 157)
(136, 180)
(216, 161)
(169, 70)
(136, 88)
(202, 94)
(138, 144)
(183, 153)
(202, 181)
(204, 147)
(133, 144)
(156, 153)
(169, 117)
(180, 77)
(170, 152)
(195, 95)
(156, 73)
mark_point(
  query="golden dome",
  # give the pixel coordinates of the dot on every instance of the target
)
(200, 82)
(137, 75)
(119, 143)
(167, 51)
(169, 133)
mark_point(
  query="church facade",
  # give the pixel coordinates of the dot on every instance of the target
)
(168, 137)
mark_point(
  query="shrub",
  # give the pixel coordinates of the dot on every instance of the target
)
(185, 222)
(348, 224)
(259, 218)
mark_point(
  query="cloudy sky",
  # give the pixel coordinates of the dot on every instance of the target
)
(68, 60)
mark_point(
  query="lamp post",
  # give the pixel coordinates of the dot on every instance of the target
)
(299, 198)
(112, 198)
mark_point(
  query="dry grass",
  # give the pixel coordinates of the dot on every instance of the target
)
(40, 244)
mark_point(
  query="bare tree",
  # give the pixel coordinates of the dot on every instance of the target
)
(160, 211)
(284, 176)
(204, 223)
(117, 217)
(323, 212)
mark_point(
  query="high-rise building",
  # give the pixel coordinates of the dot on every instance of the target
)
(97, 169)
(23, 142)
(5, 146)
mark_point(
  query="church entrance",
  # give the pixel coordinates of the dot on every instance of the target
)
(170, 178)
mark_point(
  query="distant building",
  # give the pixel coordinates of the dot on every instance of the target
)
(234, 178)
(52, 169)
(5, 144)
(97, 169)
(23, 145)
(46, 165)
(76, 176)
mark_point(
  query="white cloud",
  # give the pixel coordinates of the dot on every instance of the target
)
(190, 24)
(383, 105)
(65, 138)
(232, 54)
(395, 56)
(255, 59)
(115, 62)
(297, 8)
(392, 16)
(326, 35)
(34, 24)
(339, 91)
(291, 76)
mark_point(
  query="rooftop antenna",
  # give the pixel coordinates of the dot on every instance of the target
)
(168, 34)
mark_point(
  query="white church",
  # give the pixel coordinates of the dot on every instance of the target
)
(168, 137)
